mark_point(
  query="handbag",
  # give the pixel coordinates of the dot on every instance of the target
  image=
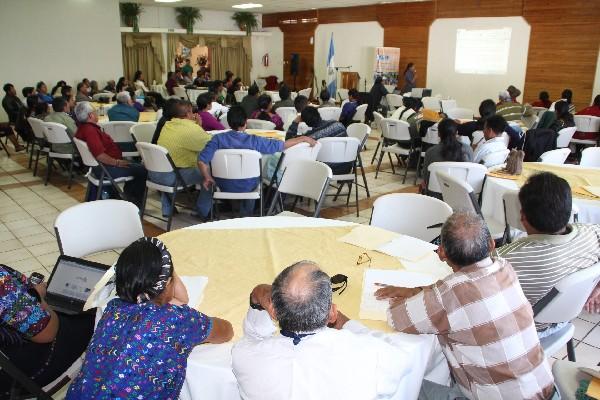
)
(514, 162)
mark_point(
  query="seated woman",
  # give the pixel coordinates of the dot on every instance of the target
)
(265, 112)
(37, 340)
(148, 330)
(209, 122)
(543, 100)
(564, 118)
(140, 84)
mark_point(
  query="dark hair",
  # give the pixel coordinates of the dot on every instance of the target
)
(324, 95)
(170, 74)
(80, 85)
(228, 75)
(544, 95)
(253, 90)
(137, 270)
(546, 202)
(39, 85)
(59, 84)
(180, 109)
(284, 92)
(214, 85)
(32, 102)
(567, 94)
(465, 238)
(137, 75)
(300, 102)
(561, 109)
(169, 108)
(7, 87)
(496, 123)
(66, 90)
(487, 109)
(263, 104)
(311, 117)
(40, 108)
(58, 104)
(451, 147)
(353, 93)
(120, 84)
(27, 91)
(408, 66)
(379, 79)
(236, 117)
(203, 101)
(597, 100)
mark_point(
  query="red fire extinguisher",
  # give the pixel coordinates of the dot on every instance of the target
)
(265, 60)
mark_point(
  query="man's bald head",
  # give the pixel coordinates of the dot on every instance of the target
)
(301, 297)
(465, 239)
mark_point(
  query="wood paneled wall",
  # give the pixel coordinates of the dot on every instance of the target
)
(296, 39)
(563, 46)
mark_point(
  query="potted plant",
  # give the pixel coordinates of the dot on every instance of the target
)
(187, 17)
(246, 21)
(130, 13)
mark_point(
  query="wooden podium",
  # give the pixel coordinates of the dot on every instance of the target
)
(349, 80)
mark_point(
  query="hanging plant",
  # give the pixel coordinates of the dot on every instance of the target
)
(246, 21)
(130, 13)
(187, 17)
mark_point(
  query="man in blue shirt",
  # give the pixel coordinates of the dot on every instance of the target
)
(123, 110)
(349, 108)
(42, 92)
(236, 138)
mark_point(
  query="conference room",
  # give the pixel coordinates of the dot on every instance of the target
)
(296, 200)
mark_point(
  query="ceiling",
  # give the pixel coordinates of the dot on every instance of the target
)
(269, 6)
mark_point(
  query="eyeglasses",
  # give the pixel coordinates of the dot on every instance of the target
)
(341, 280)
(363, 259)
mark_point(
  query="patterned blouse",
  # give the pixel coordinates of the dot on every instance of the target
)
(21, 314)
(139, 351)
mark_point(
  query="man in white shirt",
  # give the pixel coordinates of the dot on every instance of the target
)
(492, 132)
(307, 359)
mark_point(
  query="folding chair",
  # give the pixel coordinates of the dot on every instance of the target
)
(119, 131)
(558, 156)
(360, 132)
(259, 124)
(564, 137)
(377, 118)
(495, 158)
(300, 151)
(590, 157)
(40, 144)
(21, 380)
(143, 132)
(459, 113)
(330, 113)
(359, 115)
(56, 134)
(395, 135)
(472, 173)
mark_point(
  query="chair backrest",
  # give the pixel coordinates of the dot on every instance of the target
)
(472, 173)
(103, 95)
(305, 92)
(564, 137)
(410, 214)
(239, 95)
(377, 118)
(395, 130)
(512, 210)
(448, 105)
(84, 151)
(56, 133)
(37, 126)
(359, 115)
(416, 92)
(460, 113)
(432, 103)
(286, 112)
(590, 157)
(558, 156)
(568, 296)
(273, 95)
(155, 157)
(393, 100)
(587, 123)
(538, 110)
(95, 226)
(236, 164)
(495, 158)
(359, 131)
(300, 151)
(457, 193)
(330, 113)
(223, 120)
(143, 132)
(259, 124)
(180, 92)
(478, 138)
(118, 130)
(338, 149)
(343, 94)
(306, 178)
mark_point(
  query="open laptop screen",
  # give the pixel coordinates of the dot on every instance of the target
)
(73, 279)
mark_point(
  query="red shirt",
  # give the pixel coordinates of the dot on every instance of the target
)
(540, 103)
(98, 141)
(591, 110)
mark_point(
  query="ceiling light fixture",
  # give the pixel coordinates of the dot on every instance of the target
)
(167, 1)
(247, 6)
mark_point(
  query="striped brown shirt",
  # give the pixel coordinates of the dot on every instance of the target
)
(485, 326)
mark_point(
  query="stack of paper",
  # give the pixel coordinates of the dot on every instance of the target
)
(407, 248)
(368, 237)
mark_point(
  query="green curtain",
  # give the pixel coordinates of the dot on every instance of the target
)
(143, 51)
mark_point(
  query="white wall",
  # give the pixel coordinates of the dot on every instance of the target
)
(470, 89)
(164, 17)
(83, 42)
(354, 45)
(271, 45)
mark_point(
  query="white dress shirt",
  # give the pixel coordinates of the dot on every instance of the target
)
(351, 363)
(489, 146)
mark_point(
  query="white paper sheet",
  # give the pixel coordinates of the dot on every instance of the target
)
(368, 237)
(370, 307)
(195, 286)
(407, 248)
(430, 264)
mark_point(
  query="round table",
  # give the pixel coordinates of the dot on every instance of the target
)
(193, 94)
(240, 253)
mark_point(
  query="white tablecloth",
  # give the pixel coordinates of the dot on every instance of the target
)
(160, 89)
(209, 374)
(194, 93)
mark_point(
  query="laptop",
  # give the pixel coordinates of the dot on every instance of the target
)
(71, 282)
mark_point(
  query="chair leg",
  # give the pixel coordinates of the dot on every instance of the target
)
(406, 169)
(5, 148)
(172, 210)
(339, 189)
(418, 170)
(37, 159)
(364, 177)
(571, 350)
(143, 208)
(379, 163)
(71, 173)
(349, 193)
(375, 152)
(356, 192)
(31, 155)
(392, 163)
(49, 162)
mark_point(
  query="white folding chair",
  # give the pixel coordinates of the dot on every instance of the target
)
(394, 101)
(472, 173)
(103, 95)
(564, 137)
(287, 115)
(432, 103)
(416, 93)
(377, 118)
(360, 132)
(237, 164)
(143, 132)
(564, 303)
(300, 151)
(342, 150)
(395, 134)
(119, 131)
(512, 214)
(273, 95)
(342, 94)
(558, 156)
(56, 134)
(495, 158)
(239, 95)
(330, 113)
(586, 124)
(460, 113)
(448, 105)
(304, 178)
(590, 157)
(410, 214)
(538, 110)
(259, 124)
(40, 144)
(180, 93)
(223, 120)
(305, 92)
(359, 115)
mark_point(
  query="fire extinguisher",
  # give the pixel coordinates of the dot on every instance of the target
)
(265, 60)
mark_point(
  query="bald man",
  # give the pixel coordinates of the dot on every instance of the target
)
(307, 359)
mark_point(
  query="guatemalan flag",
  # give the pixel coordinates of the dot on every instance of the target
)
(331, 75)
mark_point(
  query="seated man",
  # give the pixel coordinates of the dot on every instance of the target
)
(184, 138)
(349, 109)
(110, 86)
(325, 99)
(480, 317)
(83, 92)
(553, 248)
(284, 95)
(300, 103)
(492, 132)
(510, 110)
(106, 151)
(310, 360)
(487, 109)
(124, 109)
(42, 92)
(12, 106)
(250, 101)
(238, 139)
(61, 108)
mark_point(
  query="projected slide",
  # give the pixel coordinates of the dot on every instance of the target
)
(482, 51)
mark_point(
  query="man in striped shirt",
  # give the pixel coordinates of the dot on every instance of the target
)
(481, 318)
(553, 248)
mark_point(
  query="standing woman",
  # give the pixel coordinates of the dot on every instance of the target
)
(410, 78)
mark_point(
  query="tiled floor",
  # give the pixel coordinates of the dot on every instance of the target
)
(28, 209)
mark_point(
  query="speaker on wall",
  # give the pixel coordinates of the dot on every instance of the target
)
(295, 64)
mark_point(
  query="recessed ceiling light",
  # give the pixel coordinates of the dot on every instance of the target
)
(247, 5)
(167, 1)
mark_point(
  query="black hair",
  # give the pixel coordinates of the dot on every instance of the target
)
(137, 75)
(180, 109)
(120, 84)
(41, 108)
(487, 109)
(546, 202)
(496, 123)
(203, 101)
(80, 85)
(567, 94)
(324, 95)
(597, 100)
(379, 79)
(170, 74)
(32, 102)
(311, 117)
(228, 75)
(408, 66)
(544, 95)
(27, 91)
(65, 91)
(137, 270)
(561, 109)
(214, 85)
(58, 104)
(236, 117)
(169, 108)
(353, 93)
(284, 92)
(59, 84)
(263, 104)
(253, 90)
(39, 85)
(451, 147)
(300, 102)
(7, 87)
